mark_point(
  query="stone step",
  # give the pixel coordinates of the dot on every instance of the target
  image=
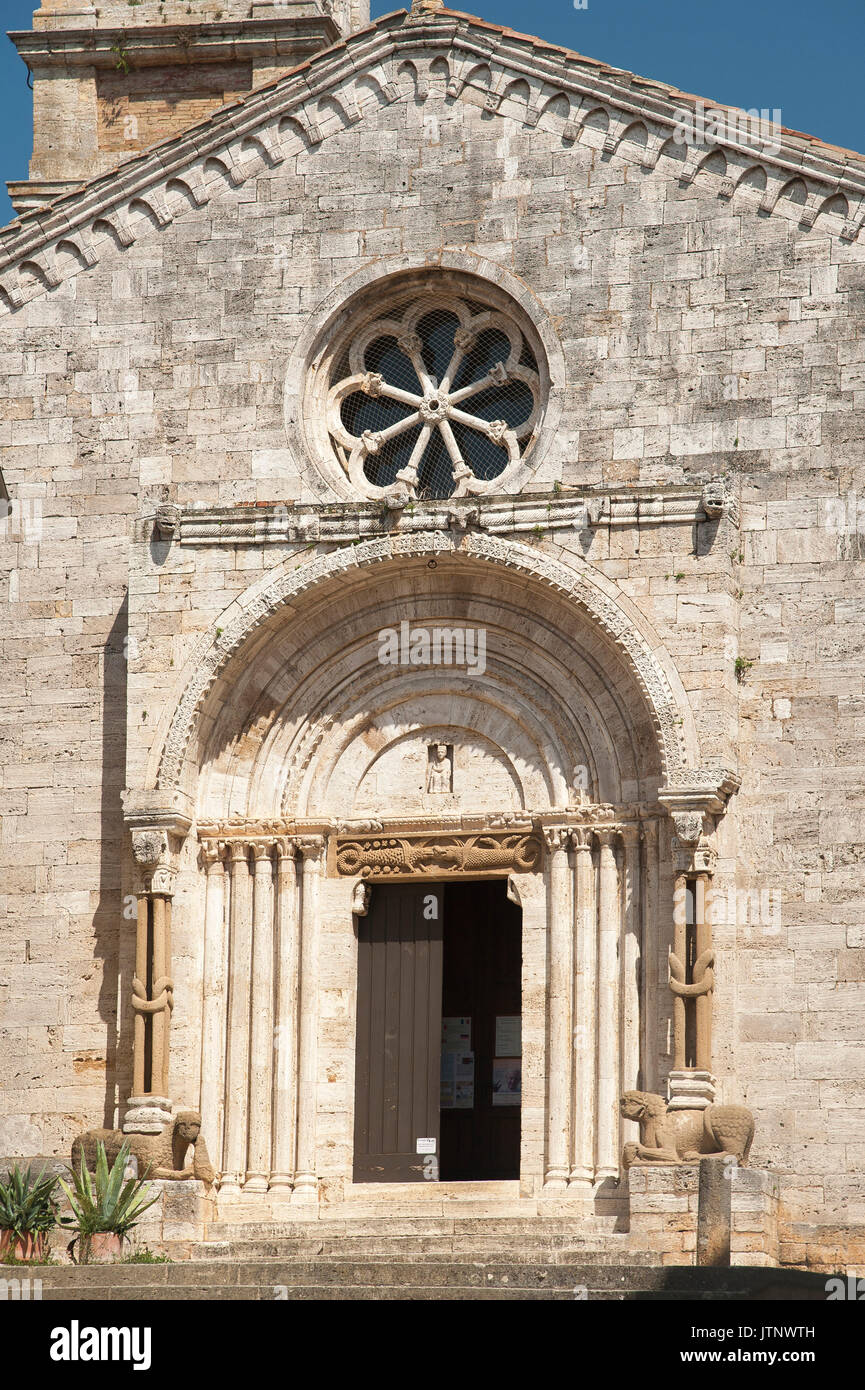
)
(561, 1249)
(346, 1278)
(534, 1227)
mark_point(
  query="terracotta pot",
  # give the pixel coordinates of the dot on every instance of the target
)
(104, 1245)
(31, 1246)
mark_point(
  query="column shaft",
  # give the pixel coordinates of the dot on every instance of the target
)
(261, 1025)
(305, 1185)
(139, 992)
(213, 1003)
(680, 951)
(159, 1038)
(285, 1036)
(585, 1008)
(650, 957)
(631, 961)
(237, 1062)
(609, 929)
(561, 945)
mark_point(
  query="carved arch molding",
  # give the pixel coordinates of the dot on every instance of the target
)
(281, 587)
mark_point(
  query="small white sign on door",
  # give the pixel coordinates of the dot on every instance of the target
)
(425, 1146)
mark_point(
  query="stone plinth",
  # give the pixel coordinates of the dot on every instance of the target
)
(663, 1205)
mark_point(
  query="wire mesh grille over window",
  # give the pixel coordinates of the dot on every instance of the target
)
(439, 398)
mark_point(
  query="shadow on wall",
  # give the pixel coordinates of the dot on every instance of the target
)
(108, 922)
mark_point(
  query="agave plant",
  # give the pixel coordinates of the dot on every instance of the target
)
(103, 1203)
(28, 1209)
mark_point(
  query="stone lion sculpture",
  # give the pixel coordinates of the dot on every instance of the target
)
(683, 1136)
(162, 1154)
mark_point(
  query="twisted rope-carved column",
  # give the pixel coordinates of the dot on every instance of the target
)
(704, 974)
(609, 926)
(139, 995)
(261, 1024)
(285, 1034)
(237, 1060)
(152, 985)
(213, 996)
(585, 1006)
(561, 945)
(677, 969)
(306, 1184)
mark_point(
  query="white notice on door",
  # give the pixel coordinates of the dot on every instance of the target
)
(425, 1146)
(508, 1035)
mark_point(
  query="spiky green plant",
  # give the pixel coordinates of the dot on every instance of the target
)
(28, 1202)
(103, 1202)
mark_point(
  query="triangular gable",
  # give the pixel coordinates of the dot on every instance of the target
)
(538, 84)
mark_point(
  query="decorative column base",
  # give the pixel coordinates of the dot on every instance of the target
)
(690, 1090)
(147, 1114)
(257, 1182)
(305, 1188)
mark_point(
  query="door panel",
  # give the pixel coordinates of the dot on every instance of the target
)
(398, 1033)
(482, 980)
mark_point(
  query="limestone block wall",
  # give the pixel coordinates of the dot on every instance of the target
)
(700, 337)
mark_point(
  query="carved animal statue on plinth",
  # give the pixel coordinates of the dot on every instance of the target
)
(164, 1154)
(684, 1136)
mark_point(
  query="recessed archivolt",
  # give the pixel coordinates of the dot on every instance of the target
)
(389, 76)
(552, 691)
(613, 617)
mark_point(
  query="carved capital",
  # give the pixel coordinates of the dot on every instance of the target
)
(311, 847)
(212, 852)
(581, 839)
(689, 826)
(154, 860)
(555, 837)
(148, 847)
(286, 847)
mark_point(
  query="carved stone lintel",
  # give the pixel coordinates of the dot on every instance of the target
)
(406, 856)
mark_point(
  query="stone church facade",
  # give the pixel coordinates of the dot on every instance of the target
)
(424, 470)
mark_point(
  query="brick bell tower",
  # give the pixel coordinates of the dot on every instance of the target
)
(114, 77)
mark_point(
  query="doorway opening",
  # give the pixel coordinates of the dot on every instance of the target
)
(438, 1073)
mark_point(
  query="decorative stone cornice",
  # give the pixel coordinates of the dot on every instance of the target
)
(281, 118)
(276, 523)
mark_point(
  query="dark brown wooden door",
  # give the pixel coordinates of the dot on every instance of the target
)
(398, 1033)
(482, 982)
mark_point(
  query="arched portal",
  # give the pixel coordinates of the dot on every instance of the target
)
(423, 708)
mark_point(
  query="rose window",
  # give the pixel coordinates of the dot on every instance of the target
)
(438, 397)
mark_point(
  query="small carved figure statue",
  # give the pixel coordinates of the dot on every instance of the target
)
(684, 1136)
(164, 1154)
(439, 778)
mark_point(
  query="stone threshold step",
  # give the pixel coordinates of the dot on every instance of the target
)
(412, 1293)
(162, 1279)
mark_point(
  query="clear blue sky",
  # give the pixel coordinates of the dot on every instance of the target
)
(806, 58)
